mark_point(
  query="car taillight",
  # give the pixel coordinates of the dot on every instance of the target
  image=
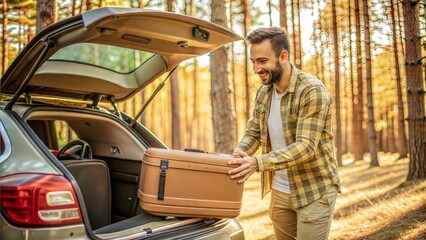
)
(33, 199)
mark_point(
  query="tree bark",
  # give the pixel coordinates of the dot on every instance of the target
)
(322, 67)
(223, 117)
(415, 92)
(5, 44)
(174, 92)
(270, 12)
(246, 22)
(73, 8)
(195, 118)
(283, 14)
(372, 137)
(46, 14)
(402, 138)
(233, 72)
(174, 98)
(192, 121)
(390, 127)
(316, 39)
(358, 131)
(143, 115)
(88, 5)
(337, 85)
(293, 27)
(353, 96)
(298, 37)
(401, 37)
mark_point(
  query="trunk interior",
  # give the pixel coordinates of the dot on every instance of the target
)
(109, 180)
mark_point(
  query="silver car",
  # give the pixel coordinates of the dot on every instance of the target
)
(71, 76)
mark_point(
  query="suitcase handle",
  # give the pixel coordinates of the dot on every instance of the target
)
(162, 182)
(194, 150)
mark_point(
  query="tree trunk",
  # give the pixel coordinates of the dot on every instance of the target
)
(337, 85)
(192, 125)
(73, 8)
(316, 39)
(402, 138)
(415, 92)
(21, 31)
(298, 37)
(233, 72)
(143, 115)
(283, 14)
(391, 133)
(380, 140)
(46, 14)
(223, 117)
(188, 7)
(80, 7)
(385, 146)
(246, 22)
(321, 28)
(401, 37)
(358, 131)
(372, 137)
(353, 97)
(270, 12)
(297, 44)
(174, 98)
(195, 118)
(88, 5)
(5, 44)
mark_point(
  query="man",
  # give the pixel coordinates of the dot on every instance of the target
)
(291, 122)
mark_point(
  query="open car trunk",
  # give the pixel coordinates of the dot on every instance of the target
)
(109, 181)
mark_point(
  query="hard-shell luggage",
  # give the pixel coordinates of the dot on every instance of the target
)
(188, 184)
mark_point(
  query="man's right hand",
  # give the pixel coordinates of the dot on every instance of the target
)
(240, 154)
(248, 165)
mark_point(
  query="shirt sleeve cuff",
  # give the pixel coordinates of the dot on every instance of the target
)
(260, 166)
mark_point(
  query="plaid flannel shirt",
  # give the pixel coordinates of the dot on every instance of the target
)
(309, 155)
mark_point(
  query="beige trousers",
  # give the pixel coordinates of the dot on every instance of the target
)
(311, 222)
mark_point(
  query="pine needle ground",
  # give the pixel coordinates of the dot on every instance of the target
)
(375, 203)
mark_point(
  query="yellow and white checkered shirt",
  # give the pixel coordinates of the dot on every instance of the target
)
(309, 154)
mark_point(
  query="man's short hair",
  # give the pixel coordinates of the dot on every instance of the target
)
(278, 37)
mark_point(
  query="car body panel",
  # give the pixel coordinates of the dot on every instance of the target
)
(64, 232)
(21, 146)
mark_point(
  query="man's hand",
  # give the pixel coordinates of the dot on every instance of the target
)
(240, 154)
(248, 165)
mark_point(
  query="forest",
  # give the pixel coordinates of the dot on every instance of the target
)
(370, 54)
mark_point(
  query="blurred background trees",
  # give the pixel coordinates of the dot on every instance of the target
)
(370, 55)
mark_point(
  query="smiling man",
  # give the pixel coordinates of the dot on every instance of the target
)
(291, 123)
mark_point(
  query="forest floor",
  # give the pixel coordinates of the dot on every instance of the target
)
(375, 203)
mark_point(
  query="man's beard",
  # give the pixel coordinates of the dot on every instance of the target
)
(274, 74)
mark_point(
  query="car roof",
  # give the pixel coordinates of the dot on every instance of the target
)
(162, 39)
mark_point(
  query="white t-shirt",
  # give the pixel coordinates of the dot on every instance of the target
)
(276, 135)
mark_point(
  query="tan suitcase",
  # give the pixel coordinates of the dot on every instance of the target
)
(188, 184)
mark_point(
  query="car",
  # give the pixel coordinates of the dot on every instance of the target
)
(71, 76)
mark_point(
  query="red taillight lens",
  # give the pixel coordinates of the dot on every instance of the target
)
(32, 199)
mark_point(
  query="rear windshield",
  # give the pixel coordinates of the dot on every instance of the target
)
(105, 56)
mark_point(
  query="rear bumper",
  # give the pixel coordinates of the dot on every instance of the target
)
(64, 232)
